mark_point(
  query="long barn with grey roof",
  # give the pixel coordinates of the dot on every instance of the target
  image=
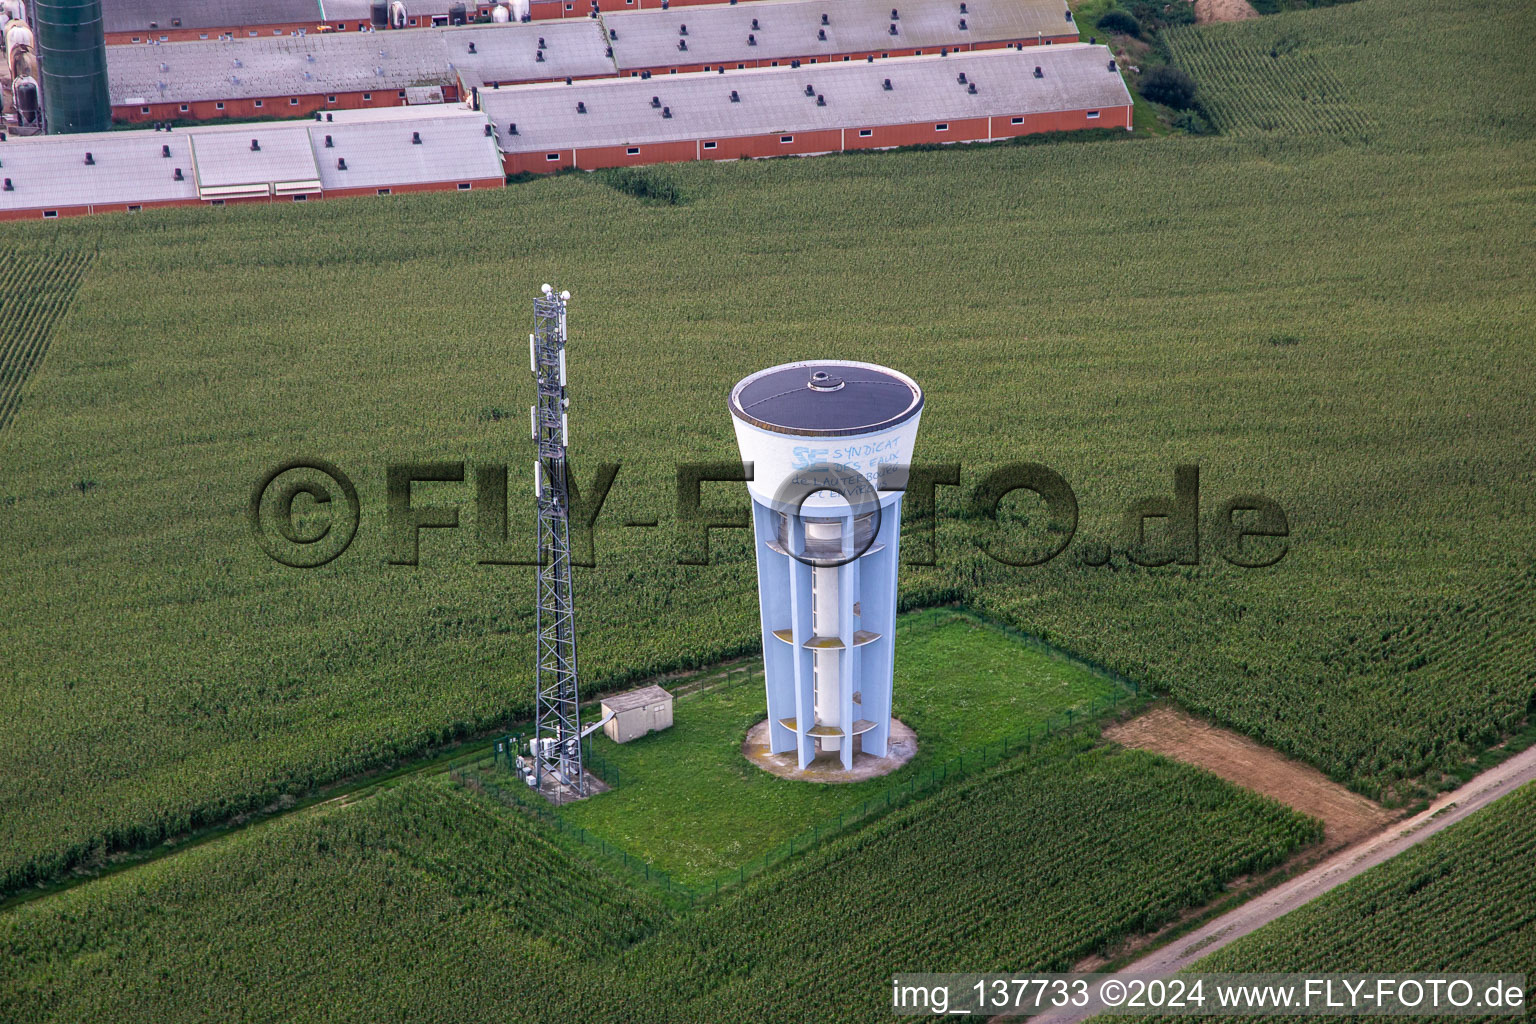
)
(773, 33)
(366, 153)
(965, 97)
(146, 21)
(293, 75)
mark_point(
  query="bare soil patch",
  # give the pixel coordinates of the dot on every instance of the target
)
(1346, 816)
(1223, 10)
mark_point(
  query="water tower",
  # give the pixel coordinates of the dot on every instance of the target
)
(823, 438)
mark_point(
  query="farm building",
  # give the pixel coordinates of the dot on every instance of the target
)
(965, 97)
(295, 75)
(648, 709)
(287, 75)
(773, 33)
(176, 21)
(149, 21)
(68, 175)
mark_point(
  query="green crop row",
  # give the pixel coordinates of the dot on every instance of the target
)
(36, 289)
(1249, 88)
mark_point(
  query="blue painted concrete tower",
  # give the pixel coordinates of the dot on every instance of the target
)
(828, 442)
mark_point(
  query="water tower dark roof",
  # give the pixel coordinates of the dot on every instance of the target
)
(827, 397)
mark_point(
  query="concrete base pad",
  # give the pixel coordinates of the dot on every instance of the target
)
(557, 792)
(827, 767)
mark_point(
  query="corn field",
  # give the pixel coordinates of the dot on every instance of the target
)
(1325, 312)
(429, 901)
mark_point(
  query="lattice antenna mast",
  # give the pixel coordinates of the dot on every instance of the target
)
(557, 723)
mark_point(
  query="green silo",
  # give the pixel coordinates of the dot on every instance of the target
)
(72, 54)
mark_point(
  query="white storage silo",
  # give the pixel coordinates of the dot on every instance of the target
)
(822, 438)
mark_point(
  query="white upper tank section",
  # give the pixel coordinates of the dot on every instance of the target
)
(500, 14)
(17, 36)
(792, 419)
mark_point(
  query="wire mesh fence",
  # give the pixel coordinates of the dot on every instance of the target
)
(914, 785)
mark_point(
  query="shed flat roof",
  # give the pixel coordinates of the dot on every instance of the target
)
(790, 28)
(381, 153)
(138, 15)
(773, 100)
(227, 159)
(311, 64)
(50, 170)
(628, 701)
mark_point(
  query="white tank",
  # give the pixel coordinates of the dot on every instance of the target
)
(397, 15)
(782, 454)
(17, 34)
(521, 11)
(14, 9)
(500, 14)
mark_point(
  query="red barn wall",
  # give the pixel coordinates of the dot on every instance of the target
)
(182, 35)
(975, 129)
(271, 106)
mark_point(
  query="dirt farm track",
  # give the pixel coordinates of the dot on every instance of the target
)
(1347, 816)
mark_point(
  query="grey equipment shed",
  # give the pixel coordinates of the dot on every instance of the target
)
(636, 713)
